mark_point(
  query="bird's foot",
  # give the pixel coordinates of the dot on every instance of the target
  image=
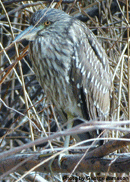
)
(60, 158)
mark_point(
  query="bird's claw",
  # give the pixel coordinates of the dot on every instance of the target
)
(60, 159)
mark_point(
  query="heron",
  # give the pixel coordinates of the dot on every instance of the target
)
(71, 66)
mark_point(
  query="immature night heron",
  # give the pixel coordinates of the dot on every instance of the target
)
(70, 65)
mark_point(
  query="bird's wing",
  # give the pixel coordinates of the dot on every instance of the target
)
(90, 72)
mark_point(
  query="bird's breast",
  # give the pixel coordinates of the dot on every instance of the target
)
(51, 65)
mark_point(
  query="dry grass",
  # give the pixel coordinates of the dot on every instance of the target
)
(25, 113)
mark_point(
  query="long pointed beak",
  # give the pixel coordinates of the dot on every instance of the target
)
(28, 34)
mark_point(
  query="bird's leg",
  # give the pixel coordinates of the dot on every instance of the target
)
(67, 138)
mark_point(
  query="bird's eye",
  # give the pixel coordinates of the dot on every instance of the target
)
(46, 23)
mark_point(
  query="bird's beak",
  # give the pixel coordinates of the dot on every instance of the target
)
(28, 34)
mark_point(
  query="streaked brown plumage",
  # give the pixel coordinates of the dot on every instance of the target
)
(70, 65)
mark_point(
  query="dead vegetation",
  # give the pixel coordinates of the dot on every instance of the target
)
(31, 133)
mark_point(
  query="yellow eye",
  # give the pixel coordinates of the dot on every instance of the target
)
(46, 23)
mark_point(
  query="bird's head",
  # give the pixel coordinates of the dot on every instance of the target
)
(48, 19)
